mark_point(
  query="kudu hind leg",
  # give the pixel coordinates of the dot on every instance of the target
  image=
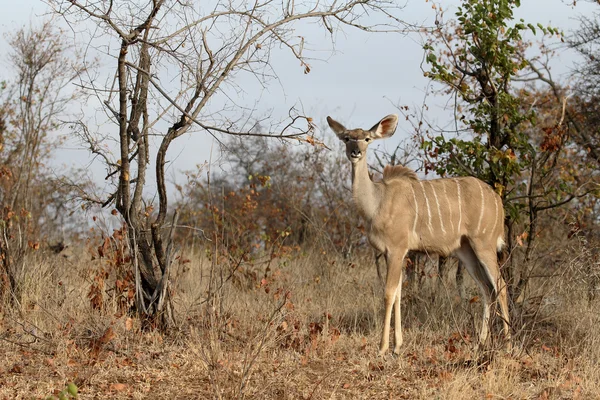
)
(467, 255)
(393, 289)
(489, 262)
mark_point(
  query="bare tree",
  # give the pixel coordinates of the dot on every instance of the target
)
(584, 117)
(172, 60)
(32, 105)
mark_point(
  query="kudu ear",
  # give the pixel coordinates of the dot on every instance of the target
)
(385, 128)
(336, 126)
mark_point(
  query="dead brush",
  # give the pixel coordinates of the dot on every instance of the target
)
(237, 326)
(319, 344)
(556, 308)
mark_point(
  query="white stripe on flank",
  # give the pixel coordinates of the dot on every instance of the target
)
(416, 211)
(437, 202)
(428, 209)
(496, 218)
(482, 205)
(449, 205)
(459, 205)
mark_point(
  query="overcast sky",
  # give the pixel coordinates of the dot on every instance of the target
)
(364, 80)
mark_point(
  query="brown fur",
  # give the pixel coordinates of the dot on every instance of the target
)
(391, 172)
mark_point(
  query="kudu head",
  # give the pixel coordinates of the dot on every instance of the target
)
(357, 140)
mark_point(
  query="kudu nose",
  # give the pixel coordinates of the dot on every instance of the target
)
(355, 153)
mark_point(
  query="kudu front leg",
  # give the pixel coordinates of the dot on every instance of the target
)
(393, 291)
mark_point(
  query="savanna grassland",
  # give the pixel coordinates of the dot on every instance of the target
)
(250, 276)
(304, 325)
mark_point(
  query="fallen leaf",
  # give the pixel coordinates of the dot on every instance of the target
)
(546, 348)
(108, 335)
(117, 387)
(16, 369)
(128, 324)
(376, 367)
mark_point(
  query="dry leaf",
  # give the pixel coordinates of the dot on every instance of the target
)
(546, 348)
(108, 335)
(117, 387)
(16, 369)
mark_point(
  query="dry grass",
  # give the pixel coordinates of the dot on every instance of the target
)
(307, 327)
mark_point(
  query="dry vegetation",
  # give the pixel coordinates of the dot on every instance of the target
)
(259, 283)
(306, 326)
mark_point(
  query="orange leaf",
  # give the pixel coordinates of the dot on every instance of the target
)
(16, 369)
(108, 335)
(376, 367)
(546, 348)
(117, 387)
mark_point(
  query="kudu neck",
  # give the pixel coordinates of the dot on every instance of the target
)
(364, 191)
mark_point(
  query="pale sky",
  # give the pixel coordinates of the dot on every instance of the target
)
(364, 80)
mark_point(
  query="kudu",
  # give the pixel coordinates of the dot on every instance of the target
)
(460, 216)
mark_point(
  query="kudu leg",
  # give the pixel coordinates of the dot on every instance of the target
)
(398, 317)
(393, 291)
(378, 257)
(467, 255)
(460, 280)
(489, 261)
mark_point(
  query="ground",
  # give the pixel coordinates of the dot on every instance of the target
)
(307, 330)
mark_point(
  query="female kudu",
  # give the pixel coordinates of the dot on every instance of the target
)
(461, 216)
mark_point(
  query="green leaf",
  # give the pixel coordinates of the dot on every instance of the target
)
(72, 389)
(542, 28)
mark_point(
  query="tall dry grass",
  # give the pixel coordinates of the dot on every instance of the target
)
(303, 326)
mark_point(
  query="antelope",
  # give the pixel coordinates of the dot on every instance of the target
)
(459, 216)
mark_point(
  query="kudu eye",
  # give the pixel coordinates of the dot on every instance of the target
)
(367, 139)
(346, 139)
